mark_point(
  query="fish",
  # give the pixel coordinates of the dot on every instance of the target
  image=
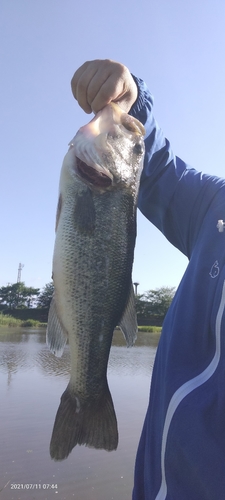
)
(92, 272)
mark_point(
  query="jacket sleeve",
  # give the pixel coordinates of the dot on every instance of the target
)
(173, 196)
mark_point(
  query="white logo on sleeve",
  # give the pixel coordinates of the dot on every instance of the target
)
(214, 271)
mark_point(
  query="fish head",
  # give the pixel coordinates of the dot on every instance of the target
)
(108, 152)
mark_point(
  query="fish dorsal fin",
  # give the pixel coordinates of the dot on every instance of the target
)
(128, 323)
(56, 335)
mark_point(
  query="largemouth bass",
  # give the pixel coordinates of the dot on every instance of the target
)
(92, 266)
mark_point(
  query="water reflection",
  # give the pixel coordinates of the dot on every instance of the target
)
(50, 365)
(32, 380)
(25, 350)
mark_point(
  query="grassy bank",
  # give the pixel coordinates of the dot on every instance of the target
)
(151, 329)
(7, 320)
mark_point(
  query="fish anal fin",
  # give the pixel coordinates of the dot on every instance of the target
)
(128, 322)
(91, 422)
(56, 336)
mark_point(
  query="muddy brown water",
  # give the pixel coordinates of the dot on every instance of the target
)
(31, 383)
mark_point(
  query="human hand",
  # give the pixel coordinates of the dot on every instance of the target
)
(96, 83)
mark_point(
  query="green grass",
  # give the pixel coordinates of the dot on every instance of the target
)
(7, 320)
(151, 329)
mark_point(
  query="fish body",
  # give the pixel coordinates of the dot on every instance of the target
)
(92, 266)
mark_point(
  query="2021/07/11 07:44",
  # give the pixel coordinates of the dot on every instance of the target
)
(33, 486)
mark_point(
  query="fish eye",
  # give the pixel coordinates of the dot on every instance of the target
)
(138, 148)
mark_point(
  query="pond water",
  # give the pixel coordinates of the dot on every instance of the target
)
(31, 383)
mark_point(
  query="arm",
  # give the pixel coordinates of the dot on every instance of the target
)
(173, 196)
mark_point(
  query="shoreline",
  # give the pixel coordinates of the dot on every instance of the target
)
(7, 321)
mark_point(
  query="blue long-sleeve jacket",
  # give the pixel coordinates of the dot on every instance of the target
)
(181, 454)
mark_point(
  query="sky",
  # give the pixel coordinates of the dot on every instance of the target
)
(177, 47)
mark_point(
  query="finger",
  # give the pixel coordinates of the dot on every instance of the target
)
(101, 65)
(101, 93)
(80, 83)
(118, 86)
(98, 82)
(103, 85)
(76, 77)
(112, 82)
(90, 77)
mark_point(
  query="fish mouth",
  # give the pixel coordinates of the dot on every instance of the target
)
(94, 146)
(94, 176)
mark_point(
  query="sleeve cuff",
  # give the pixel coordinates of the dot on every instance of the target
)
(144, 99)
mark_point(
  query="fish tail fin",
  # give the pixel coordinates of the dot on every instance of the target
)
(92, 423)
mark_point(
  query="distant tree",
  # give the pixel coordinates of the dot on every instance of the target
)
(45, 296)
(154, 302)
(142, 306)
(31, 295)
(17, 295)
(160, 299)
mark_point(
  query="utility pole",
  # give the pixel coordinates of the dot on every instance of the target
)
(135, 287)
(19, 272)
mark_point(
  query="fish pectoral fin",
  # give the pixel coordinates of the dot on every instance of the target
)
(91, 422)
(128, 322)
(56, 336)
